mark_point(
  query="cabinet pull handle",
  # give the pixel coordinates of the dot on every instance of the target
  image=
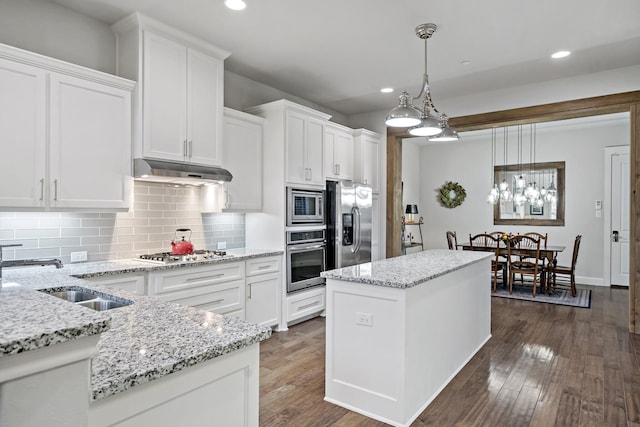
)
(42, 189)
(338, 166)
(310, 174)
(185, 152)
(365, 180)
(262, 267)
(190, 149)
(249, 284)
(307, 306)
(55, 189)
(193, 279)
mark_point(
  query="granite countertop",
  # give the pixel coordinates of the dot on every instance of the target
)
(408, 270)
(139, 343)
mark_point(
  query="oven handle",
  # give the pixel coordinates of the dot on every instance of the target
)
(304, 248)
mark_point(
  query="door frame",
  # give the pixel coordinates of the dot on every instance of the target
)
(599, 105)
(608, 153)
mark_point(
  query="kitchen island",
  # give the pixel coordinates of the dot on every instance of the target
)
(140, 362)
(398, 330)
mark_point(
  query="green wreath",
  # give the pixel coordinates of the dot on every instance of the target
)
(452, 194)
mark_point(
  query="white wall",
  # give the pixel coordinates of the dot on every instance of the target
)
(49, 29)
(580, 143)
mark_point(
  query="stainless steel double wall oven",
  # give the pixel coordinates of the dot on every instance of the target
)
(306, 238)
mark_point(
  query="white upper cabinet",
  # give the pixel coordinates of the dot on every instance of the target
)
(22, 134)
(338, 152)
(366, 158)
(66, 135)
(90, 137)
(304, 148)
(242, 148)
(179, 99)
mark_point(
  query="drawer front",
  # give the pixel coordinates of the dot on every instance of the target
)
(193, 277)
(221, 299)
(305, 304)
(134, 284)
(263, 265)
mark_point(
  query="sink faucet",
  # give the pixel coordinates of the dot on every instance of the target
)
(26, 262)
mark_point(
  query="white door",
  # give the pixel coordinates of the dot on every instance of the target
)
(90, 144)
(165, 99)
(22, 135)
(204, 113)
(620, 180)
(297, 171)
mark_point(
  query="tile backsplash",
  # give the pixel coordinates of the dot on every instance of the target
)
(158, 209)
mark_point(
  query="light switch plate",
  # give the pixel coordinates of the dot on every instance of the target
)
(78, 256)
(598, 204)
(222, 245)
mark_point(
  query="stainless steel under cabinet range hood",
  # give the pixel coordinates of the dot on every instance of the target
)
(177, 173)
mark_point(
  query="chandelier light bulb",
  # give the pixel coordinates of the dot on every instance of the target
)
(504, 186)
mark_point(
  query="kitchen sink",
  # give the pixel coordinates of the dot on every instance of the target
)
(98, 301)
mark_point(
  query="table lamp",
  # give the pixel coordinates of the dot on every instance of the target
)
(411, 210)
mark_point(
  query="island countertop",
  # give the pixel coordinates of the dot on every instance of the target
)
(408, 270)
(139, 342)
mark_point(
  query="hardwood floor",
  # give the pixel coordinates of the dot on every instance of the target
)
(545, 365)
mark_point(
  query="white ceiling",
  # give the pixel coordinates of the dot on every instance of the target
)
(339, 53)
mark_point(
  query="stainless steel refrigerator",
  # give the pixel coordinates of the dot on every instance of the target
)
(348, 216)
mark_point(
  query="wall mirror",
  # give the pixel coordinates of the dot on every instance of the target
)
(531, 196)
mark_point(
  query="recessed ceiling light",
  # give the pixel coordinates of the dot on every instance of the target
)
(465, 62)
(235, 4)
(560, 54)
(386, 90)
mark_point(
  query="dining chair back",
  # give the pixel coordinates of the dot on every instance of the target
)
(484, 241)
(524, 266)
(541, 237)
(554, 270)
(452, 240)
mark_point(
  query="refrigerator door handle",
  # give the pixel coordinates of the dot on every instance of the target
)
(356, 232)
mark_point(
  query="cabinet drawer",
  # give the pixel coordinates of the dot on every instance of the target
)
(193, 277)
(222, 298)
(263, 265)
(127, 282)
(305, 303)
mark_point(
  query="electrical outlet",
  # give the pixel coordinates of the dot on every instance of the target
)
(365, 319)
(222, 245)
(78, 256)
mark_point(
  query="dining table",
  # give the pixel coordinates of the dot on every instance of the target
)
(548, 254)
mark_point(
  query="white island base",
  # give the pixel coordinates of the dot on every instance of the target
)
(390, 351)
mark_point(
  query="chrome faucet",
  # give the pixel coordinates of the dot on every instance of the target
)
(26, 262)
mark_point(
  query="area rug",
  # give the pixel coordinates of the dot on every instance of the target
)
(558, 296)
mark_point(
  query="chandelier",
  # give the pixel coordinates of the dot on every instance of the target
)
(427, 121)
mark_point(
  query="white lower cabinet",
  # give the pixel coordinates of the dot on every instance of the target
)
(263, 290)
(218, 288)
(134, 283)
(223, 391)
(305, 303)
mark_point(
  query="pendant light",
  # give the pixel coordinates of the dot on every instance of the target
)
(505, 193)
(494, 194)
(426, 121)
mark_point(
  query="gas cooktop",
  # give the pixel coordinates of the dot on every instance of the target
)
(170, 258)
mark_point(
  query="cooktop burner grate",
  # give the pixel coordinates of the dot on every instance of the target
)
(198, 255)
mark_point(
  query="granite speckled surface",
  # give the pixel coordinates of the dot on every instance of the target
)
(409, 270)
(139, 342)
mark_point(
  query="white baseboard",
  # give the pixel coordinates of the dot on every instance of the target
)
(593, 281)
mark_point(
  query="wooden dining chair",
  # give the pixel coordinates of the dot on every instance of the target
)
(528, 244)
(488, 241)
(570, 271)
(521, 265)
(452, 240)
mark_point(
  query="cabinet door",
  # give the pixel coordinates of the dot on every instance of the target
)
(330, 168)
(343, 154)
(22, 135)
(262, 299)
(313, 151)
(204, 95)
(165, 99)
(90, 144)
(369, 160)
(296, 129)
(242, 155)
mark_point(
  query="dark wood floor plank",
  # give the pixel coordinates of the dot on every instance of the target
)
(545, 365)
